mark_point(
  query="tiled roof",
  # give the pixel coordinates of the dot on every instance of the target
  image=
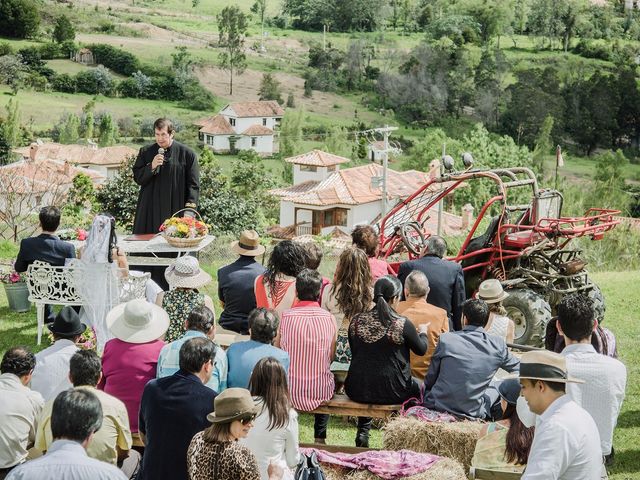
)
(379, 145)
(80, 154)
(28, 176)
(317, 158)
(352, 186)
(295, 189)
(256, 130)
(217, 125)
(267, 108)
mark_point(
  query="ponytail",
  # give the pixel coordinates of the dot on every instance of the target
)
(385, 289)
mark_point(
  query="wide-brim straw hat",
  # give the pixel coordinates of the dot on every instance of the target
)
(233, 404)
(546, 366)
(186, 273)
(248, 244)
(137, 321)
(491, 291)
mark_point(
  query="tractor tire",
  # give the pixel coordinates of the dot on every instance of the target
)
(596, 296)
(530, 312)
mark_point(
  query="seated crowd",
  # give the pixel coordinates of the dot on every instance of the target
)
(160, 399)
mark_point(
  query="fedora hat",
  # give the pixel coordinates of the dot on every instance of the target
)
(233, 404)
(137, 321)
(491, 291)
(67, 322)
(186, 273)
(248, 244)
(545, 365)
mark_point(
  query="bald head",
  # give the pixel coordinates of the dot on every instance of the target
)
(416, 285)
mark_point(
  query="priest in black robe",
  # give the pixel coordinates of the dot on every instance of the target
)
(169, 181)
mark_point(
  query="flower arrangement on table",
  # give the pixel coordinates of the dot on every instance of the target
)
(87, 340)
(73, 234)
(184, 231)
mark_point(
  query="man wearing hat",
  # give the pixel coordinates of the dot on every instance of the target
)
(235, 283)
(51, 375)
(566, 445)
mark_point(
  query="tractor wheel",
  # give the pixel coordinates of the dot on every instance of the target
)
(595, 294)
(530, 312)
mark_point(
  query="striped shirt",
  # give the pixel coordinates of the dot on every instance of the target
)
(307, 334)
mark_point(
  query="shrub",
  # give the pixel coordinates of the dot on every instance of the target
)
(49, 51)
(95, 81)
(64, 83)
(19, 18)
(196, 97)
(119, 195)
(115, 59)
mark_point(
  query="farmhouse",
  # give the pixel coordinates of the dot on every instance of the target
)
(324, 198)
(242, 126)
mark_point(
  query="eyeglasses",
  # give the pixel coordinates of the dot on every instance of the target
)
(246, 420)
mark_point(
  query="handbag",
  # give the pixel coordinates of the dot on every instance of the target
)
(309, 468)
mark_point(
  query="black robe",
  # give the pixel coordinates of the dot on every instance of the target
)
(176, 184)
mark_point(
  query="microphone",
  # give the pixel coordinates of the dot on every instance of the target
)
(157, 169)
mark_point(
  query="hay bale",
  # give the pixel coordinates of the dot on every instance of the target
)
(456, 440)
(445, 469)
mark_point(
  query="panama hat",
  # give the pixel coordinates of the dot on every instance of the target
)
(137, 321)
(248, 244)
(233, 404)
(491, 291)
(546, 366)
(186, 273)
(67, 323)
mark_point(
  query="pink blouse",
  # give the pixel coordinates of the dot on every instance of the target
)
(126, 369)
(379, 268)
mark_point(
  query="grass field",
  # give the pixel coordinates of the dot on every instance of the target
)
(623, 312)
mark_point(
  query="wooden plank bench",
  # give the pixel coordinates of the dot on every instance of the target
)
(342, 405)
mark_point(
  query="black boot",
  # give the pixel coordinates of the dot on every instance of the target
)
(362, 439)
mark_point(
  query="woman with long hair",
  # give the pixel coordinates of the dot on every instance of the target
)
(366, 239)
(504, 445)
(274, 436)
(276, 288)
(381, 341)
(349, 294)
(499, 324)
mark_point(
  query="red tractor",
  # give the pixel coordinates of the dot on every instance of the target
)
(524, 246)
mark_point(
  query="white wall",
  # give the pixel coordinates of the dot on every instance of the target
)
(245, 122)
(264, 144)
(101, 169)
(286, 213)
(300, 176)
(365, 213)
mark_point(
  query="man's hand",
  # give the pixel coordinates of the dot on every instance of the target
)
(275, 471)
(157, 161)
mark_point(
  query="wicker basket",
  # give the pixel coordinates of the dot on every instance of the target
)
(184, 242)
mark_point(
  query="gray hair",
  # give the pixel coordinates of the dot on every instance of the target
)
(436, 246)
(417, 284)
(263, 324)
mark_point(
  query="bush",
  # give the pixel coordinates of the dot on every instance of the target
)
(19, 18)
(115, 59)
(590, 49)
(6, 49)
(119, 195)
(196, 97)
(49, 51)
(64, 83)
(95, 81)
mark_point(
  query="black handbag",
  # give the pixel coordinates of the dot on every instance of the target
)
(309, 468)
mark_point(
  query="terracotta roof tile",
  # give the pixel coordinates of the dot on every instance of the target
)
(29, 176)
(257, 130)
(217, 125)
(317, 158)
(268, 108)
(80, 154)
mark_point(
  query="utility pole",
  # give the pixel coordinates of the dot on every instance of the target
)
(324, 37)
(382, 181)
(441, 202)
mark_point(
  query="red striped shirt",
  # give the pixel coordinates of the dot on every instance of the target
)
(308, 333)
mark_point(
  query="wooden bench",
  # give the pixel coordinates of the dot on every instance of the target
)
(484, 474)
(343, 406)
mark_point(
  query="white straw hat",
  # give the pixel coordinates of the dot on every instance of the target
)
(491, 291)
(137, 321)
(186, 273)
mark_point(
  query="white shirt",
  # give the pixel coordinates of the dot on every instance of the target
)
(51, 375)
(280, 444)
(19, 411)
(566, 444)
(603, 391)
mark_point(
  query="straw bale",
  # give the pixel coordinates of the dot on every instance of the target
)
(456, 440)
(445, 469)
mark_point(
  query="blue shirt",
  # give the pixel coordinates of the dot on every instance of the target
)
(462, 368)
(243, 356)
(235, 290)
(172, 410)
(169, 361)
(66, 460)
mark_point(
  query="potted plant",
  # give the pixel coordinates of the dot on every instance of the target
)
(16, 289)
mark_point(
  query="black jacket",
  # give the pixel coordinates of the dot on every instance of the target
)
(46, 248)
(446, 282)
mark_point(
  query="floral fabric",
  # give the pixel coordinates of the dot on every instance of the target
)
(178, 304)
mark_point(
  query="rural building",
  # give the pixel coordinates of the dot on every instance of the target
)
(324, 198)
(84, 56)
(242, 126)
(106, 161)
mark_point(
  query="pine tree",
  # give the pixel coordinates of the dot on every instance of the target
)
(108, 131)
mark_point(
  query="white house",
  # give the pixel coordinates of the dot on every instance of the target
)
(242, 126)
(323, 197)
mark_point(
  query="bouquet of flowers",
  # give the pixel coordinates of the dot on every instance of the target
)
(11, 277)
(184, 231)
(87, 340)
(73, 234)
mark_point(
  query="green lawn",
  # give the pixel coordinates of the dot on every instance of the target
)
(623, 311)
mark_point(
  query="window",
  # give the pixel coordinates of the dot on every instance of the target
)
(264, 122)
(254, 141)
(308, 168)
(232, 121)
(332, 168)
(200, 136)
(330, 218)
(210, 139)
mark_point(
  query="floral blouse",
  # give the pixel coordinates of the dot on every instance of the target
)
(178, 304)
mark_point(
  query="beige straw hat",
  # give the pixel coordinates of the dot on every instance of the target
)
(186, 273)
(137, 321)
(491, 291)
(233, 404)
(248, 244)
(545, 365)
